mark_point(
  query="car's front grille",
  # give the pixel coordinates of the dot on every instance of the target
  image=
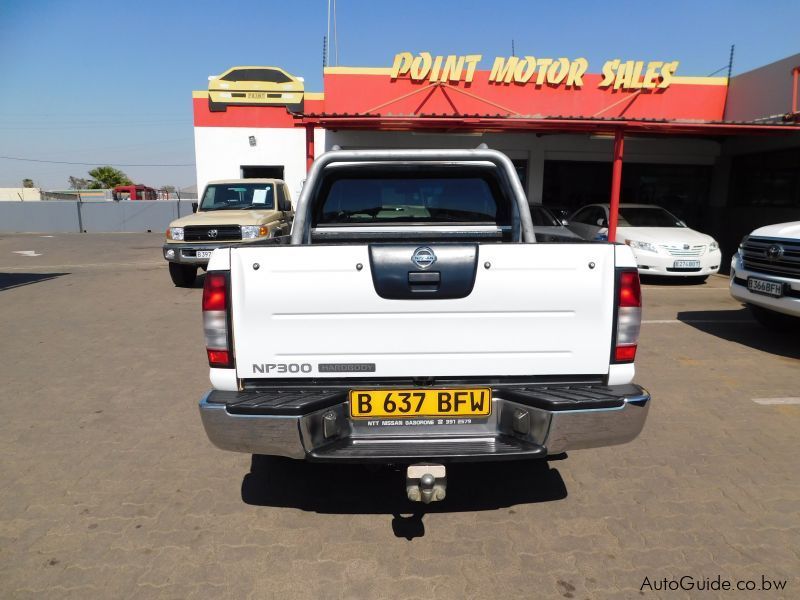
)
(212, 233)
(684, 249)
(772, 256)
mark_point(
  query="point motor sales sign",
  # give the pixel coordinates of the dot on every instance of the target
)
(521, 70)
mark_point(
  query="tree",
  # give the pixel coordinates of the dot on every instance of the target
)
(107, 177)
(78, 183)
(169, 189)
(27, 183)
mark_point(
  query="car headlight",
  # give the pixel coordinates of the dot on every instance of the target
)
(175, 233)
(744, 241)
(641, 245)
(713, 246)
(251, 232)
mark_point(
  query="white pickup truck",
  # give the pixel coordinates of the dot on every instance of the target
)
(412, 318)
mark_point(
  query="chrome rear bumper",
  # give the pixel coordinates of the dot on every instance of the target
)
(329, 434)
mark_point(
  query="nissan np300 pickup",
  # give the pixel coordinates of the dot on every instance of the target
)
(413, 318)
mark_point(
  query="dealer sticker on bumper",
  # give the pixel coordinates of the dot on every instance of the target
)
(462, 402)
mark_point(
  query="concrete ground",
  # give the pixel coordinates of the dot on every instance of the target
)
(110, 488)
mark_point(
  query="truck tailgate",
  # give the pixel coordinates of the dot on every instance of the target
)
(534, 309)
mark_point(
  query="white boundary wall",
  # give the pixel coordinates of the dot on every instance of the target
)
(71, 216)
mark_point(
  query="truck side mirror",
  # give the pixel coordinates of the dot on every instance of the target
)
(194, 207)
(602, 223)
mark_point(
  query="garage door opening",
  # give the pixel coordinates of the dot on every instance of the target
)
(681, 189)
(262, 171)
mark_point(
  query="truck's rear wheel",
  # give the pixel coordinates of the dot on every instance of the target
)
(182, 275)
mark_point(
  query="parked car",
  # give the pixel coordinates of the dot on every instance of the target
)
(231, 211)
(662, 243)
(255, 86)
(765, 274)
(405, 324)
(561, 213)
(547, 226)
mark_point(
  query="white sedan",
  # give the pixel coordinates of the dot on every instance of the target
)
(662, 243)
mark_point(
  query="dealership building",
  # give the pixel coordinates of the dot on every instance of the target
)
(722, 154)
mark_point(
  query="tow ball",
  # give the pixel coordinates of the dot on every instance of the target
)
(426, 483)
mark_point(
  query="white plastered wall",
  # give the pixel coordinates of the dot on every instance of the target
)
(220, 152)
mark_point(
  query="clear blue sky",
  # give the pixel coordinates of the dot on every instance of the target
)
(111, 81)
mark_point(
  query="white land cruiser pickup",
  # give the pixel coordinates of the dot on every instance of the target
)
(765, 274)
(412, 318)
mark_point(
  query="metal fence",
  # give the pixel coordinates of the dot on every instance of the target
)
(71, 216)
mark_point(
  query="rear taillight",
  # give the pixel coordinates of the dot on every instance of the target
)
(629, 316)
(215, 320)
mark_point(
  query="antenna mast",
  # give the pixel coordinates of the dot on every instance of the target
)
(327, 58)
(335, 35)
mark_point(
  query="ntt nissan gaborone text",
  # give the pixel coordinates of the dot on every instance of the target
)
(412, 317)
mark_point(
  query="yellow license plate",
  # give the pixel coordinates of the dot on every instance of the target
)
(461, 402)
(257, 95)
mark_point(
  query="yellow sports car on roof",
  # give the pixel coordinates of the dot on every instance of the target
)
(255, 86)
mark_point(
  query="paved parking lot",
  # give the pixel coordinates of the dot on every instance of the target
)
(111, 490)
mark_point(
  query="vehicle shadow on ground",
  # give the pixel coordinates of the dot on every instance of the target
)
(737, 325)
(359, 489)
(14, 280)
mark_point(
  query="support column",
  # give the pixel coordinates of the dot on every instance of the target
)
(616, 184)
(309, 147)
(535, 173)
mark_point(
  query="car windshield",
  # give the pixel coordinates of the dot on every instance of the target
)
(391, 199)
(542, 217)
(646, 216)
(239, 196)
(262, 75)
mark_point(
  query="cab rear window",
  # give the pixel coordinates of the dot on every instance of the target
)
(418, 198)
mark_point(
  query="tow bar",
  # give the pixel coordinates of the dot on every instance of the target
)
(426, 483)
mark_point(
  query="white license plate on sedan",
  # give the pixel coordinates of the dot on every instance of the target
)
(686, 264)
(765, 287)
(204, 253)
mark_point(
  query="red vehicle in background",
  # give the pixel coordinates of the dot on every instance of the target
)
(134, 192)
